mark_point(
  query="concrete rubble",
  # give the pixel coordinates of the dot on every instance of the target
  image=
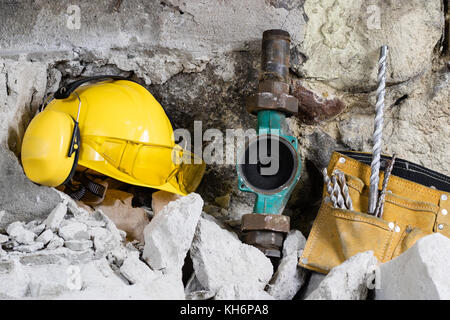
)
(169, 235)
(220, 259)
(289, 277)
(421, 273)
(347, 281)
(53, 247)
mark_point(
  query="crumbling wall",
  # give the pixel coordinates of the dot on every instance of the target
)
(200, 59)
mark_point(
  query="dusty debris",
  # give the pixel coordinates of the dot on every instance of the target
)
(118, 207)
(55, 243)
(289, 277)
(18, 233)
(73, 230)
(3, 238)
(347, 281)
(161, 198)
(169, 235)
(29, 247)
(420, 273)
(45, 237)
(221, 259)
(55, 217)
(78, 245)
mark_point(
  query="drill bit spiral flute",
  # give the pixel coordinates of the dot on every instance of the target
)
(378, 131)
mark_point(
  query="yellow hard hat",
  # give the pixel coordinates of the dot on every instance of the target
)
(116, 128)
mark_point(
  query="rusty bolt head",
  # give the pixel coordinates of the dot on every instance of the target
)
(268, 101)
(270, 222)
(267, 239)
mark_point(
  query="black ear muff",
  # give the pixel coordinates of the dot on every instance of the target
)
(75, 145)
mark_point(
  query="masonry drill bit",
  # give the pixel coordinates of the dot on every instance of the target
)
(378, 131)
(327, 181)
(387, 173)
(344, 187)
(337, 192)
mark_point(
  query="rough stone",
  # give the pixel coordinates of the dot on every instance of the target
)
(3, 238)
(420, 273)
(55, 243)
(73, 230)
(103, 239)
(347, 281)
(38, 229)
(135, 270)
(18, 233)
(28, 248)
(55, 217)
(289, 277)
(78, 245)
(45, 237)
(169, 235)
(220, 259)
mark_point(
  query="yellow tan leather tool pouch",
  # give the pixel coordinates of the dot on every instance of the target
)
(412, 210)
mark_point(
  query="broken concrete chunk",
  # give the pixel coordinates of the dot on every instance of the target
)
(55, 217)
(289, 277)
(135, 270)
(221, 260)
(161, 198)
(55, 243)
(28, 248)
(73, 230)
(3, 238)
(18, 233)
(78, 245)
(420, 273)
(103, 239)
(294, 243)
(169, 235)
(45, 237)
(38, 229)
(14, 280)
(347, 281)
(241, 292)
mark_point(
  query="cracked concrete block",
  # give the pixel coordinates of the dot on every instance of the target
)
(45, 237)
(56, 216)
(169, 234)
(18, 233)
(220, 259)
(289, 277)
(347, 281)
(73, 230)
(420, 273)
